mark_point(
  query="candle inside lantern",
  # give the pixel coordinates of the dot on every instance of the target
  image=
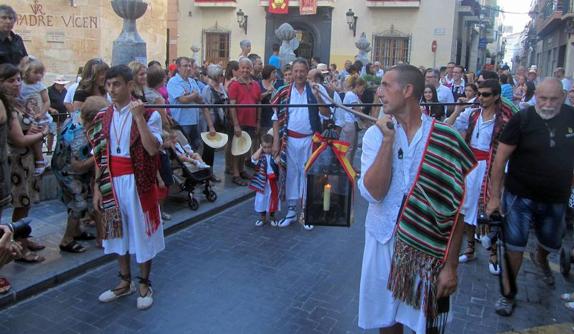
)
(326, 197)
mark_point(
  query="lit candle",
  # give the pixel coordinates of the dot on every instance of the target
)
(326, 197)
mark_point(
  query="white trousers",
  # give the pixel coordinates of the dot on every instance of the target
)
(298, 152)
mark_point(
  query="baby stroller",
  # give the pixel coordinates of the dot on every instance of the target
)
(189, 176)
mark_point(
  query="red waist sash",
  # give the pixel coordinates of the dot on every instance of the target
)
(480, 155)
(295, 134)
(120, 166)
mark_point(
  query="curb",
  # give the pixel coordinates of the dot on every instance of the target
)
(58, 278)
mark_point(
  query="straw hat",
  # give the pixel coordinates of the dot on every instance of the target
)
(60, 80)
(241, 145)
(217, 141)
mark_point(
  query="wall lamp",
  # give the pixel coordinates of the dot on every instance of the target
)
(352, 21)
(242, 20)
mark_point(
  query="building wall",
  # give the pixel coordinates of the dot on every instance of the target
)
(421, 22)
(65, 37)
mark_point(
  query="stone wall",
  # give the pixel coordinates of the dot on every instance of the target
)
(65, 37)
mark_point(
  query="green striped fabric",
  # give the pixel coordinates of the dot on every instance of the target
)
(435, 200)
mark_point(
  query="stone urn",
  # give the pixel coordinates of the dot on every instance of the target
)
(364, 47)
(129, 46)
(289, 43)
(195, 49)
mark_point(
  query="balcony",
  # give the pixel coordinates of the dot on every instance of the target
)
(393, 3)
(295, 3)
(216, 3)
(552, 13)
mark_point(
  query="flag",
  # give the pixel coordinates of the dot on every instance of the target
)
(278, 6)
(307, 7)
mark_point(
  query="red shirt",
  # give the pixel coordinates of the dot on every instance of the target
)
(243, 93)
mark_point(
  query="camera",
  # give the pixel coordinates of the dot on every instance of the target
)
(20, 229)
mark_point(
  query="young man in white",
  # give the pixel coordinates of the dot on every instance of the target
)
(126, 139)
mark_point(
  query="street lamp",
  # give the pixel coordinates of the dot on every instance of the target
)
(352, 21)
(242, 20)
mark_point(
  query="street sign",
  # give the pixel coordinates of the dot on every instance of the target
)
(482, 42)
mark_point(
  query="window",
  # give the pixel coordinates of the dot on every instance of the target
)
(391, 50)
(217, 47)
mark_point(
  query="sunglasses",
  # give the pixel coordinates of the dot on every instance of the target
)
(484, 94)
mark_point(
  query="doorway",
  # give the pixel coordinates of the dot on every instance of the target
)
(306, 44)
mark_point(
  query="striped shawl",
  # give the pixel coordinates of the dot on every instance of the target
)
(428, 217)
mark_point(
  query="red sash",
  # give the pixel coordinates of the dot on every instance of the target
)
(480, 155)
(120, 166)
(295, 134)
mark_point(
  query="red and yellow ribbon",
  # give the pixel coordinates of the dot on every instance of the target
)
(339, 148)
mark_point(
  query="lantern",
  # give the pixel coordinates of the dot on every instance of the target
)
(330, 184)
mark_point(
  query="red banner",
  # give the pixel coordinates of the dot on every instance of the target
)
(278, 6)
(307, 7)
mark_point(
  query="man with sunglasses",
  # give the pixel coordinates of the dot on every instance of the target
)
(538, 144)
(482, 128)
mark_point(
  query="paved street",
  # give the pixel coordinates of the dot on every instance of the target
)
(224, 274)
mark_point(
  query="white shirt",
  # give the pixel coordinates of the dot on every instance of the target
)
(71, 91)
(444, 95)
(299, 117)
(380, 73)
(350, 98)
(382, 215)
(121, 138)
(481, 135)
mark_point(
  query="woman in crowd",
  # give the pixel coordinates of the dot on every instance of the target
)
(214, 93)
(349, 132)
(519, 89)
(370, 76)
(287, 77)
(22, 135)
(73, 167)
(528, 99)
(267, 86)
(430, 96)
(139, 72)
(470, 92)
(506, 87)
(231, 73)
(92, 83)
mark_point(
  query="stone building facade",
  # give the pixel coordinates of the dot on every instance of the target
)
(64, 34)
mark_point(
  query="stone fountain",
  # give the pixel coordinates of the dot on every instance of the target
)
(129, 46)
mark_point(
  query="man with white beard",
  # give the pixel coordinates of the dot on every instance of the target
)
(538, 144)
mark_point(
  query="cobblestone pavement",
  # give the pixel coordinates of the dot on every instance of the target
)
(225, 275)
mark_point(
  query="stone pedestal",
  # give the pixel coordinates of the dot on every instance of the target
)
(129, 46)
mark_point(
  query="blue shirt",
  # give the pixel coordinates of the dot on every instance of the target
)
(506, 91)
(275, 61)
(176, 88)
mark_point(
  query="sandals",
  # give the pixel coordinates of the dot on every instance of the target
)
(73, 247)
(110, 295)
(84, 236)
(245, 175)
(34, 246)
(40, 167)
(468, 255)
(4, 285)
(145, 301)
(30, 257)
(238, 181)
